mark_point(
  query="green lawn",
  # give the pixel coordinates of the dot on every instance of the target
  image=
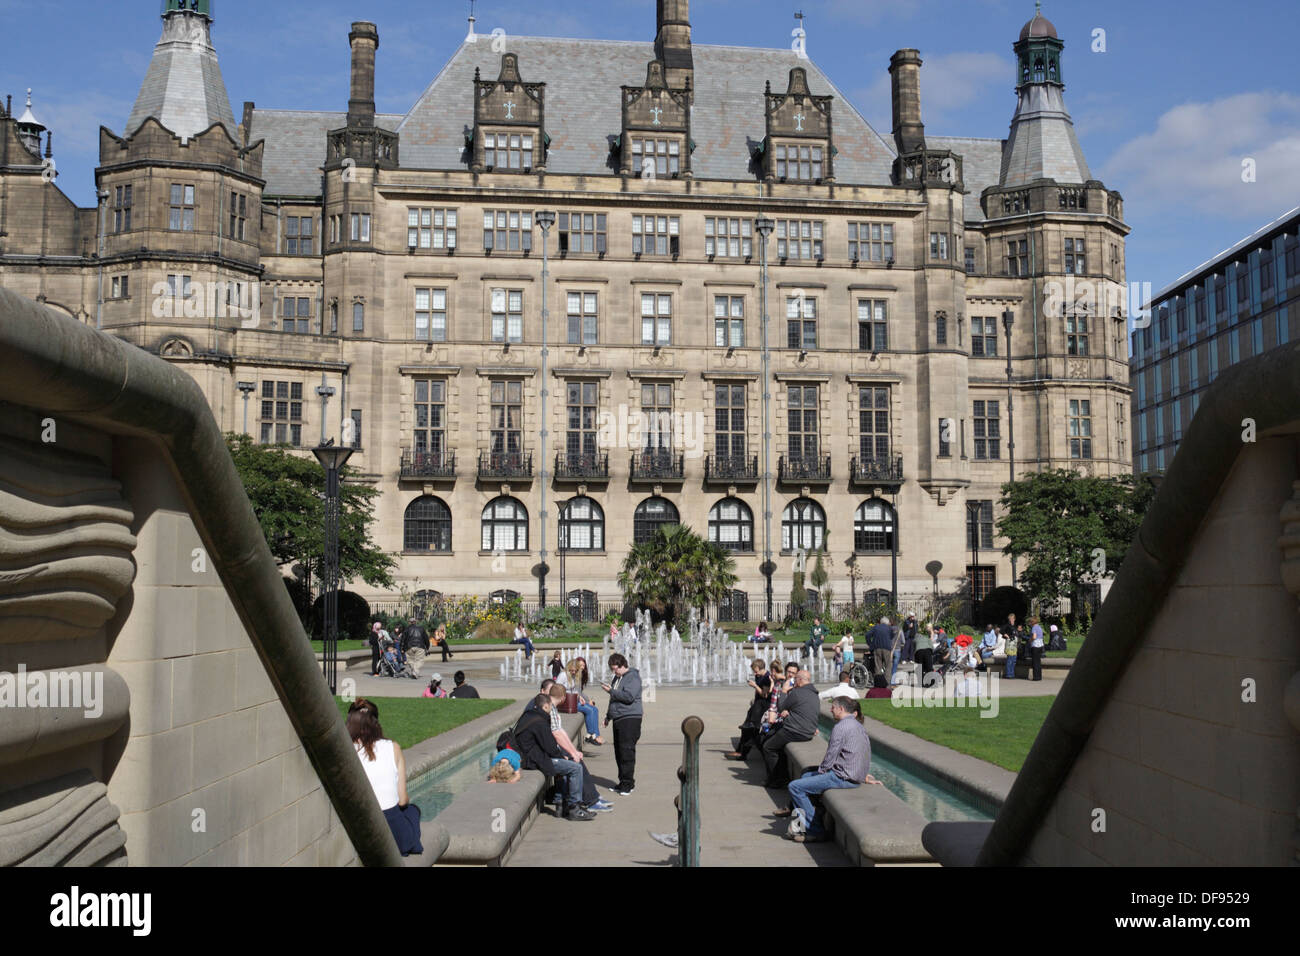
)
(1003, 740)
(344, 645)
(408, 720)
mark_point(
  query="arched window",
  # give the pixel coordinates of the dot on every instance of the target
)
(582, 525)
(427, 526)
(875, 597)
(650, 515)
(734, 607)
(873, 526)
(731, 524)
(503, 597)
(803, 526)
(582, 605)
(505, 525)
(425, 601)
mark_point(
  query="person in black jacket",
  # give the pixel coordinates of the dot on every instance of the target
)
(463, 690)
(540, 751)
(415, 644)
(800, 712)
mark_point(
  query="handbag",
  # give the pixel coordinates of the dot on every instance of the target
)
(1012, 646)
(570, 705)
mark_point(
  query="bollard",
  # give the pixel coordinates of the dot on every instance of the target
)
(688, 803)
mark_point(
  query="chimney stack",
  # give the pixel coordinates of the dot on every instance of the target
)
(673, 43)
(364, 39)
(905, 86)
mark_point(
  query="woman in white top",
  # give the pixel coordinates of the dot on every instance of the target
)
(385, 767)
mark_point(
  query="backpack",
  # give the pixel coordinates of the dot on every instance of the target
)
(507, 739)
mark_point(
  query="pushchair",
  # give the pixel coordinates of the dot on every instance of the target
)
(392, 662)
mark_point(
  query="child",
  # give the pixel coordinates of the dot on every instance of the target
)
(435, 687)
(505, 767)
(846, 646)
(394, 660)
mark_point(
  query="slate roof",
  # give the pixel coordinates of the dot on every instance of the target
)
(1042, 143)
(183, 88)
(295, 146)
(981, 167)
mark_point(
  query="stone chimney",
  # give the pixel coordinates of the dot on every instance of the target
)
(673, 43)
(905, 87)
(361, 105)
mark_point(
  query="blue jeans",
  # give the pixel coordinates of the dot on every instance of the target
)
(1009, 672)
(528, 645)
(593, 718)
(568, 782)
(898, 656)
(807, 786)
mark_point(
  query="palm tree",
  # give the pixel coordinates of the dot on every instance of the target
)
(677, 568)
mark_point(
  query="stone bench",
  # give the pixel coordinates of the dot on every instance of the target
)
(486, 823)
(434, 838)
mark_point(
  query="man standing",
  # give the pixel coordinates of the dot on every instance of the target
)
(813, 646)
(909, 637)
(462, 690)
(847, 760)
(626, 713)
(1036, 649)
(800, 711)
(540, 751)
(415, 644)
(882, 649)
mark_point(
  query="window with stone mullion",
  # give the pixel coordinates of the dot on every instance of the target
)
(873, 424)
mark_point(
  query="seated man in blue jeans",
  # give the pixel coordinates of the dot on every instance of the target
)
(539, 751)
(847, 760)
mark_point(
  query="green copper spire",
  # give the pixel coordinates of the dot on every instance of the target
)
(1038, 51)
(201, 7)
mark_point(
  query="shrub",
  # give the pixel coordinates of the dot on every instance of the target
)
(495, 631)
(1000, 602)
(354, 617)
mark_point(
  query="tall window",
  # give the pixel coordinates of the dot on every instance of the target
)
(431, 315)
(361, 227)
(939, 246)
(426, 526)
(505, 525)
(802, 414)
(656, 319)
(871, 241)
(940, 330)
(295, 314)
(873, 329)
(1080, 428)
(358, 317)
(800, 239)
(732, 238)
(298, 239)
(650, 516)
(873, 423)
(355, 415)
(728, 321)
(580, 405)
(983, 578)
(506, 434)
(731, 525)
(657, 415)
(664, 156)
(121, 288)
(945, 437)
(802, 163)
(803, 526)
(1075, 260)
(430, 437)
(281, 419)
(507, 230)
(508, 150)
(656, 235)
(181, 208)
(122, 209)
(430, 228)
(507, 315)
(582, 525)
(983, 337)
(801, 322)
(970, 259)
(729, 421)
(979, 525)
(1076, 334)
(988, 431)
(238, 215)
(1018, 257)
(582, 318)
(873, 526)
(582, 232)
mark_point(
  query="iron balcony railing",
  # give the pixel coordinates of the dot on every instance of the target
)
(876, 471)
(428, 464)
(505, 464)
(657, 465)
(807, 468)
(590, 466)
(730, 468)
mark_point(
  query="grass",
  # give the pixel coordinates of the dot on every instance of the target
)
(1003, 740)
(344, 645)
(409, 720)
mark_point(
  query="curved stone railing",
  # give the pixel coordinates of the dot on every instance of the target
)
(66, 563)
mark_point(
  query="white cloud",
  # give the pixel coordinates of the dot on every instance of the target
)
(1195, 156)
(950, 84)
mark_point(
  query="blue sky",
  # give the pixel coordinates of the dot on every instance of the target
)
(1182, 94)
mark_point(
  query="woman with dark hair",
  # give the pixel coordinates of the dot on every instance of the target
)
(574, 679)
(385, 767)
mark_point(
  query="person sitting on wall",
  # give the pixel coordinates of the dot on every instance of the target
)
(816, 637)
(521, 637)
(385, 768)
(435, 687)
(761, 633)
(843, 689)
(440, 639)
(462, 691)
(539, 751)
(574, 679)
(749, 730)
(800, 712)
(505, 767)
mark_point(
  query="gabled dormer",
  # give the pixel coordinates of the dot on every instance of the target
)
(656, 139)
(799, 147)
(509, 122)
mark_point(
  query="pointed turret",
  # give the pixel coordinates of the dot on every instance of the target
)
(30, 128)
(1042, 143)
(183, 88)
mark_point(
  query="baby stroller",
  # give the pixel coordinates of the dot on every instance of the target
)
(392, 662)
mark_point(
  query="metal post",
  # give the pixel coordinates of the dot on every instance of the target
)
(324, 391)
(764, 226)
(99, 296)
(545, 219)
(688, 802)
(1008, 320)
(332, 458)
(246, 388)
(893, 558)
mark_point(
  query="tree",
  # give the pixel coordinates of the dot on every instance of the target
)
(1070, 529)
(818, 579)
(678, 568)
(287, 494)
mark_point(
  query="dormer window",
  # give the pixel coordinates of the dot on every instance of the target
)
(513, 151)
(798, 147)
(799, 163)
(656, 138)
(661, 157)
(509, 122)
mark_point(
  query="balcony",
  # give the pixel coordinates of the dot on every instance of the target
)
(428, 464)
(505, 465)
(585, 467)
(807, 470)
(876, 472)
(657, 465)
(730, 469)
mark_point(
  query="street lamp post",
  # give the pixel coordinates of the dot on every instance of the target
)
(324, 391)
(247, 389)
(1008, 320)
(332, 458)
(764, 226)
(973, 522)
(545, 219)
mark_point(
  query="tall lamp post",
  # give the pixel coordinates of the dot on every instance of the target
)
(331, 457)
(1008, 320)
(764, 226)
(545, 219)
(247, 389)
(973, 528)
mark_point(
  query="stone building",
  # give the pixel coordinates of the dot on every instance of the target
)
(1242, 302)
(380, 279)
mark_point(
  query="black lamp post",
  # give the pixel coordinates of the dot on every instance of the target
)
(764, 227)
(546, 219)
(331, 458)
(1008, 320)
(246, 389)
(973, 529)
